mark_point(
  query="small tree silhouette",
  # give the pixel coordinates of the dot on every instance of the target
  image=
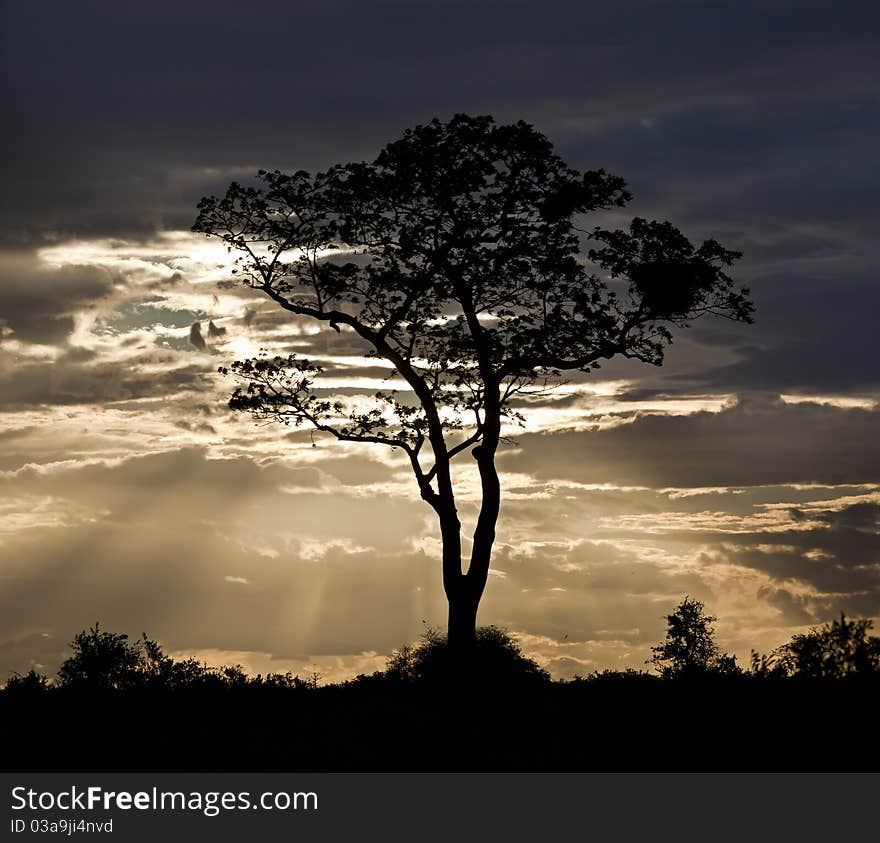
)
(689, 650)
(103, 659)
(109, 660)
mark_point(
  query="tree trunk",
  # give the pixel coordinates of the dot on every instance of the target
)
(464, 591)
(462, 627)
(462, 618)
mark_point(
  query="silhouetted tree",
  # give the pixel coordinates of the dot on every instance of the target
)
(835, 650)
(455, 257)
(103, 659)
(689, 649)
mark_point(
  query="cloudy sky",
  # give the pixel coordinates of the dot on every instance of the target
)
(745, 472)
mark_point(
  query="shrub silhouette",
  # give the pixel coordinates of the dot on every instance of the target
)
(104, 660)
(497, 659)
(31, 682)
(609, 675)
(836, 650)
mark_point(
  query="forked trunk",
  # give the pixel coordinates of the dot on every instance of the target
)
(463, 591)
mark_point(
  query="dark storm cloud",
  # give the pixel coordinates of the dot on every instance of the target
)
(77, 379)
(759, 441)
(857, 516)
(745, 120)
(755, 172)
(850, 536)
(793, 607)
(158, 104)
(840, 559)
(38, 302)
(816, 332)
(823, 562)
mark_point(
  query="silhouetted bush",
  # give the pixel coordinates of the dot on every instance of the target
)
(838, 650)
(497, 659)
(104, 660)
(108, 661)
(608, 675)
(27, 683)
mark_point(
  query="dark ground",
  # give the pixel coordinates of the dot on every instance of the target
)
(622, 725)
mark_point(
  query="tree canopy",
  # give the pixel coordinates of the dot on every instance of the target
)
(462, 256)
